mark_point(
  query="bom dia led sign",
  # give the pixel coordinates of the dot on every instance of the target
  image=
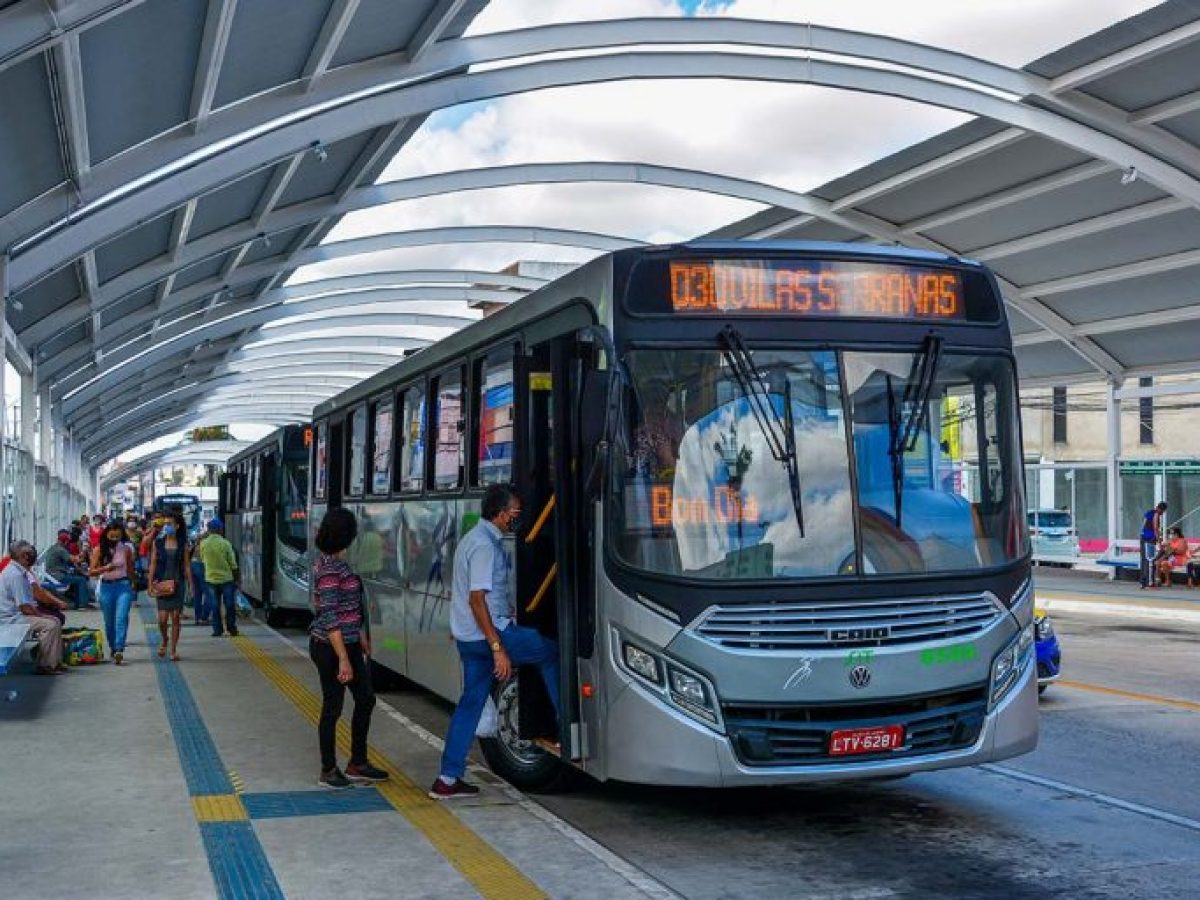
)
(816, 289)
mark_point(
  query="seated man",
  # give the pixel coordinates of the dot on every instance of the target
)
(18, 605)
(63, 569)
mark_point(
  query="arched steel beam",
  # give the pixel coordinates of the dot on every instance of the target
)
(30, 27)
(210, 386)
(112, 405)
(295, 407)
(236, 317)
(382, 350)
(261, 415)
(380, 243)
(256, 133)
(298, 358)
(72, 314)
(364, 352)
(199, 453)
(221, 242)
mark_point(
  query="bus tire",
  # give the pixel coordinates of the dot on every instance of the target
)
(520, 763)
(276, 617)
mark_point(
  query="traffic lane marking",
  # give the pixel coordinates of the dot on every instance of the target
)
(1129, 695)
(1140, 809)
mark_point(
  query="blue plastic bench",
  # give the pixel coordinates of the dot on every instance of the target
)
(12, 637)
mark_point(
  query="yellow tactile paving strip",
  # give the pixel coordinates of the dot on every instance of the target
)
(219, 808)
(487, 871)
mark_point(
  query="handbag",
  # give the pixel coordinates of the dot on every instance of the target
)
(165, 588)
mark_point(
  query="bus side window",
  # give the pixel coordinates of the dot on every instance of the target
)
(410, 441)
(320, 461)
(449, 425)
(494, 416)
(356, 450)
(381, 445)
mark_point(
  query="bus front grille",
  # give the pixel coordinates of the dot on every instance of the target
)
(796, 735)
(826, 624)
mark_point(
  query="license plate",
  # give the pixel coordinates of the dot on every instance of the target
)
(866, 740)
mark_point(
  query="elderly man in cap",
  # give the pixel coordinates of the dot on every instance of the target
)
(220, 577)
(19, 598)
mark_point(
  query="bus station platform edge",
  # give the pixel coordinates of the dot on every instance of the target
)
(198, 779)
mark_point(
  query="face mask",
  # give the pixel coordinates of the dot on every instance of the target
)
(168, 530)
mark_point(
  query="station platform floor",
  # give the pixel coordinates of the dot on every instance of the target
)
(198, 779)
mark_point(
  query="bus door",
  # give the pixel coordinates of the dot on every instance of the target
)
(549, 546)
(269, 499)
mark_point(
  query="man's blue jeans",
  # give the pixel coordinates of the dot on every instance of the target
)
(202, 602)
(223, 595)
(75, 586)
(524, 646)
(116, 597)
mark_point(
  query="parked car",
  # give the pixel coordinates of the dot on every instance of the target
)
(1052, 533)
(1049, 654)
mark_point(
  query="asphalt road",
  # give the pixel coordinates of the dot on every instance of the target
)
(1107, 806)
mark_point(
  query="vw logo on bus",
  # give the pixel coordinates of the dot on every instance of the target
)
(860, 676)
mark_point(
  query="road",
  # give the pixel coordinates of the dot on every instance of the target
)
(1107, 806)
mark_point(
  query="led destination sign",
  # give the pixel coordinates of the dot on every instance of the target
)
(816, 288)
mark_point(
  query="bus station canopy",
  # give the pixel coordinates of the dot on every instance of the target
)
(166, 166)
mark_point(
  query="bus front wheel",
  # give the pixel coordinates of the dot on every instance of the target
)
(520, 762)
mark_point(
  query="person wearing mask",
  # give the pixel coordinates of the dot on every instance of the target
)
(489, 641)
(340, 648)
(220, 578)
(1151, 537)
(19, 604)
(63, 566)
(112, 562)
(170, 565)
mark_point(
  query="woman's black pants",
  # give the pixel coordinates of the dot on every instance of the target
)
(333, 694)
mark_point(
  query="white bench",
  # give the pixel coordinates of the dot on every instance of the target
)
(12, 637)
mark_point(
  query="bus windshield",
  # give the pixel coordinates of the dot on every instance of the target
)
(293, 500)
(904, 463)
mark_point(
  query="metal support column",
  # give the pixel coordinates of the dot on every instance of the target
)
(1112, 461)
(45, 434)
(27, 519)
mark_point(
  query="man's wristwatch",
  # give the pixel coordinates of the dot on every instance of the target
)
(495, 645)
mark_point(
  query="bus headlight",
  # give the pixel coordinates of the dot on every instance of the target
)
(641, 662)
(1010, 663)
(688, 691)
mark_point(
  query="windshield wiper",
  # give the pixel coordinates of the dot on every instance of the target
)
(914, 406)
(779, 431)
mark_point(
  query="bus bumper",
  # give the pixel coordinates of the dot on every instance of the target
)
(650, 743)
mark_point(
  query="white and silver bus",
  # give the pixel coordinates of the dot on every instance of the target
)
(264, 504)
(774, 510)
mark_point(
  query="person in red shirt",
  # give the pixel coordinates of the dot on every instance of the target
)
(96, 531)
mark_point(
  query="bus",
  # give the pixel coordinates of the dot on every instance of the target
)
(774, 504)
(263, 501)
(188, 505)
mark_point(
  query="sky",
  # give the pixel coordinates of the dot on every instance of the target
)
(792, 136)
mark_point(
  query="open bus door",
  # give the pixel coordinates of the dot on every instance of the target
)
(553, 570)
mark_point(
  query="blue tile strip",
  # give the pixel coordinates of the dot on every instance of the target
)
(238, 862)
(314, 803)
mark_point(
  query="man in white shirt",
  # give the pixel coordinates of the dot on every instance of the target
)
(489, 641)
(17, 605)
